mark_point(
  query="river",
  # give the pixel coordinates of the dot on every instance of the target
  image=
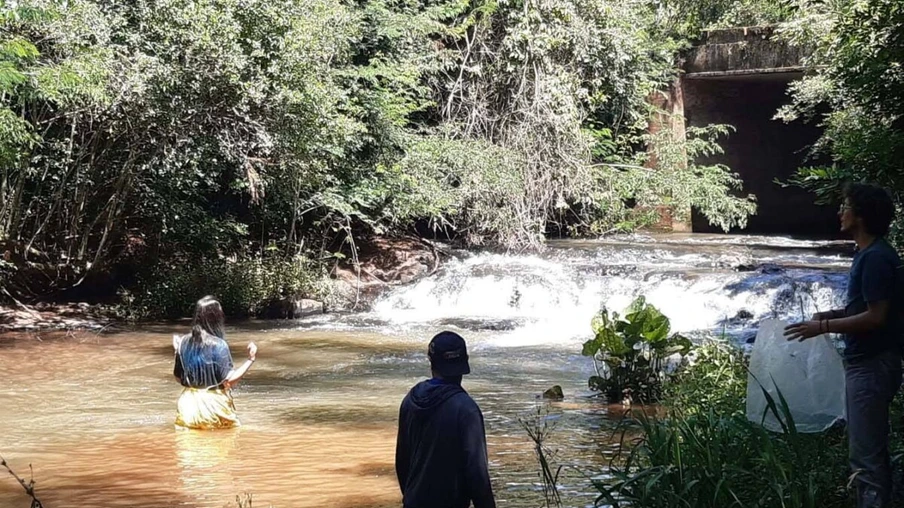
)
(93, 412)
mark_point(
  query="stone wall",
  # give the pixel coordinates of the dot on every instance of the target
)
(754, 50)
(670, 104)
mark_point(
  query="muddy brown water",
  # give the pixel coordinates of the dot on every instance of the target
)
(93, 415)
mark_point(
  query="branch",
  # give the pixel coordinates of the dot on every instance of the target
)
(29, 486)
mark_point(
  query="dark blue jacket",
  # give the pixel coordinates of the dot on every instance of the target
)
(441, 451)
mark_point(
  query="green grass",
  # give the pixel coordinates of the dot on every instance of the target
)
(706, 453)
(723, 460)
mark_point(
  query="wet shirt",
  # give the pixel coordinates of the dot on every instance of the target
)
(876, 275)
(203, 364)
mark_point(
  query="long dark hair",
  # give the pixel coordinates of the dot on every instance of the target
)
(204, 363)
(209, 318)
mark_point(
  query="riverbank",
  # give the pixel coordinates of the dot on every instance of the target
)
(50, 316)
(351, 284)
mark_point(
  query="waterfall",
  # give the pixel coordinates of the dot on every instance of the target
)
(704, 284)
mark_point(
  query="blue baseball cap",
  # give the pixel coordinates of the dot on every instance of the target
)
(449, 354)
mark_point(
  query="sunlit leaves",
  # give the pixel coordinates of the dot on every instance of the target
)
(630, 351)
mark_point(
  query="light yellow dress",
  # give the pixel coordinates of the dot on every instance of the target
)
(206, 409)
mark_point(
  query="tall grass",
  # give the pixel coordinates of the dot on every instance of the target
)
(706, 453)
(712, 460)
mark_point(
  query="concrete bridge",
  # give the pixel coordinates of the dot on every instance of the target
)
(740, 77)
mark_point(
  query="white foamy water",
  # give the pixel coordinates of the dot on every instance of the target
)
(704, 285)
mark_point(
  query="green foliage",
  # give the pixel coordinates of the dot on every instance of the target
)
(713, 378)
(207, 129)
(244, 286)
(708, 458)
(706, 453)
(708, 188)
(630, 353)
(689, 18)
(855, 94)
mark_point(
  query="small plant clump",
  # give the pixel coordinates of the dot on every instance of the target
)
(631, 353)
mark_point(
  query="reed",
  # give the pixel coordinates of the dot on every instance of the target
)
(710, 459)
(539, 426)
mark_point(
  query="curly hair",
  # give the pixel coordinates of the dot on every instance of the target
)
(873, 205)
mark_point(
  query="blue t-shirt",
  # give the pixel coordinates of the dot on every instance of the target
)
(876, 275)
(203, 364)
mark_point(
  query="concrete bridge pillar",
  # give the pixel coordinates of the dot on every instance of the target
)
(669, 120)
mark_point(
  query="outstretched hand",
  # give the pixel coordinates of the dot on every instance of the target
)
(802, 331)
(252, 351)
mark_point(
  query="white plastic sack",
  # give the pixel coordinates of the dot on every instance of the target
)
(810, 375)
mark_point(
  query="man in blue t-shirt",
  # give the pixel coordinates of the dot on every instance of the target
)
(871, 323)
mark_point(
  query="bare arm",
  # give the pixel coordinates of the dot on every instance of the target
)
(829, 314)
(873, 318)
(877, 282)
(235, 375)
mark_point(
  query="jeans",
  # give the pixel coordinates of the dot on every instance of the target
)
(871, 386)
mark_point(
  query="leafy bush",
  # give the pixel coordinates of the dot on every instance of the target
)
(630, 354)
(690, 18)
(710, 189)
(705, 459)
(244, 286)
(856, 94)
(713, 378)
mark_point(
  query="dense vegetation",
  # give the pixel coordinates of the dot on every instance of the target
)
(145, 137)
(704, 452)
(154, 139)
(856, 93)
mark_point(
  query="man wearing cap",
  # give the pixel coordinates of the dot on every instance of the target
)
(441, 451)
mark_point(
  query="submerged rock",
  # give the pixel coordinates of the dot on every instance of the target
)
(496, 325)
(764, 268)
(744, 315)
(554, 393)
(770, 269)
(292, 308)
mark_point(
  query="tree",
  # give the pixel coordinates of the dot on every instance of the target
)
(856, 94)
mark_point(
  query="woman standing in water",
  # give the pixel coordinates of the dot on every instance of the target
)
(204, 367)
